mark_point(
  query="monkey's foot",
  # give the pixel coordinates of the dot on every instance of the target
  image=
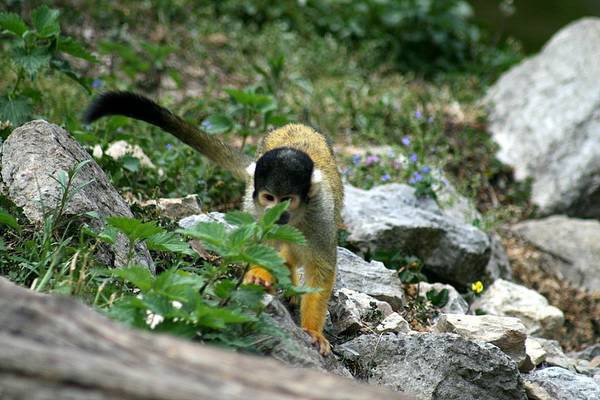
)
(260, 276)
(318, 339)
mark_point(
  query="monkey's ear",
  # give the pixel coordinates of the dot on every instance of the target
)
(315, 182)
(250, 169)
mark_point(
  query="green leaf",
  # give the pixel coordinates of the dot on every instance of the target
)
(212, 234)
(224, 288)
(177, 328)
(136, 275)
(263, 256)
(239, 218)
(2, 245)
(285, 233)
(273, 214)
(217, 123)
(12, 23)
(240, 236)
(17, 110)
(129, 310)
(133, 228)
(33, 61)
(130, 163)
(260, 102)
(438, 298)
(168, 241)
(9, 220)
(45, 21)
(108, 234)
(73, 47)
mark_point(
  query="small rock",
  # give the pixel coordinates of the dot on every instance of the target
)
(554, 353)
(535, 351)
(391, 218)
(214, 216)
(536, 392)
(372, 278)
(508, 299)
(504, 332)
(352, 311)
(455, 305)
(573, 246)
(393, 323)
(562, 384)
(176, 208)
(588, 353)
(435, 366)
(121, 148)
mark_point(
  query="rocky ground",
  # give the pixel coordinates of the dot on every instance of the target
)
(540, 294)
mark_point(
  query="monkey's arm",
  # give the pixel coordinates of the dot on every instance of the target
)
(139, 107)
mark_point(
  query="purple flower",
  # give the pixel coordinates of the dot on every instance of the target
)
(371, 160)
(416, 177)
(425, 169)
(97, 83)
(413, 157)
(169, 146)
(406, 141)
(418, 115)
(356, 159)
(430, 119)
(386, 178)
(206, 125)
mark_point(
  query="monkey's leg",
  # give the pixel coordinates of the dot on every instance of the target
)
(313, 310)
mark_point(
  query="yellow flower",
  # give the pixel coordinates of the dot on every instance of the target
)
(477, 287)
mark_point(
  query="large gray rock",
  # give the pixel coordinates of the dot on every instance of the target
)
(34, 155)
(553, 352)
(435, 366)
(544, 114)
(507, 333)
(562, 384)
(508, 299)
(372, 278)
(391, 218)
(572, 244)
(499, 265)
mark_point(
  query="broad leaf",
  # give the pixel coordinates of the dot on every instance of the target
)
(273, 214)
(12, 23)
(33, 61)
(133, 228)
(9, 220)
(239, 218)
(73, 47)
(285, 233)
(136, 275)
(45, 21)
(212, 234)
(17, 110)
(168, 241)
(217, 123)
(263, 256)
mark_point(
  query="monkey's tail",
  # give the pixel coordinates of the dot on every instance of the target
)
(139, 107)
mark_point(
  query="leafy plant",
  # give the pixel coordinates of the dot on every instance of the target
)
(210, 302)
(33, 49)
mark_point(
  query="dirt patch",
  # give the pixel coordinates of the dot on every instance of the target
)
(581, 308)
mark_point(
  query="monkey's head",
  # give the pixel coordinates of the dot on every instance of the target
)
(284, 174)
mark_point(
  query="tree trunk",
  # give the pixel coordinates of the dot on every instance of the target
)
(54, 347)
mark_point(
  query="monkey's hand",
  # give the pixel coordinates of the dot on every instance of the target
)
(260, 276)
(318, 339)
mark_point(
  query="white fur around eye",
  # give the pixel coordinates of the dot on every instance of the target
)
(317, 176)
(251, 168)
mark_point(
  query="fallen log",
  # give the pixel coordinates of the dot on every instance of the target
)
(54, 347)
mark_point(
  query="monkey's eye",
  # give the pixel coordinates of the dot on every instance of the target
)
(293, 199)
(266, 198)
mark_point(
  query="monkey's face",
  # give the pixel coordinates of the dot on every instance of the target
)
(284, 174)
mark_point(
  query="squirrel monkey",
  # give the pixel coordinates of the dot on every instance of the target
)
(294, 163)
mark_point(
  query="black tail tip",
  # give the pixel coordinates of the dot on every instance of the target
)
(121, 103)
